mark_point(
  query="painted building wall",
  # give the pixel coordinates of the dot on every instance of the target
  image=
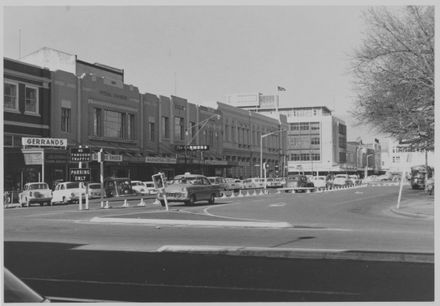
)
(64, 95)
(52, 59)
(96, 94)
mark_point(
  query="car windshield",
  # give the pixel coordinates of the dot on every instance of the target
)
(72, 185)
(136, 184)
(38, 186)
(95, 186)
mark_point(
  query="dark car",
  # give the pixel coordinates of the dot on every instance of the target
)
(190, 188)
(118, 186)
(298, 182)
(418, 176)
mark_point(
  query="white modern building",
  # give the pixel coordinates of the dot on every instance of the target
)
(397, 157)
(316, 139)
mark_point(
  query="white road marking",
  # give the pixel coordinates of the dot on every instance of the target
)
(280, 204)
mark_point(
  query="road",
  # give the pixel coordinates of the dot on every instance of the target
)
(290, 231)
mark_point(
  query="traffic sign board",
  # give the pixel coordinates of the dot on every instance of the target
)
(80, 154)
(80, 174)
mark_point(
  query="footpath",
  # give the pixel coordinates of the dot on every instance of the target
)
(421, 207)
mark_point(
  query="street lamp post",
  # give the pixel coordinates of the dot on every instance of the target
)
(202, 124)
(261, 150)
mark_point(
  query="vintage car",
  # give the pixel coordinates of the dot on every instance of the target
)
(190, 188)
(221, 181)
(139, 187)
(253, 182)
(234, 184)
(299, 182)
(35, 193)
(342, 180)
(68, 192)
(355, 180)
(94, 190)
(149, 185)
(320, 182)
(118, 186)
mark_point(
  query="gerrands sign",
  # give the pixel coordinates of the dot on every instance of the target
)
(44, 142)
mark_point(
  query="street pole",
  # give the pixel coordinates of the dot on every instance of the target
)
(261, 156)
(101, 175)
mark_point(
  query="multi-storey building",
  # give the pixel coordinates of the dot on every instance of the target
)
(242, 132)
(397, 157)
(316, 139)
(26, 106)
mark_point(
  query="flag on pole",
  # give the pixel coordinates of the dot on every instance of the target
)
(281, 88)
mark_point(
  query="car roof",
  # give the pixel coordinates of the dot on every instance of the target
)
(188, 175)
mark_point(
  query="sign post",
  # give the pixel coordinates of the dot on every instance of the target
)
(101, 175)
(159, 184)
(81, 155)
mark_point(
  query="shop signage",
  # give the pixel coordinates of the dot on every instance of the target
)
(160, 160)
(216, 162)
(33, 158)
(80, 154)
(80, 175)
(191, 148)
(44, 142)
(108, 157)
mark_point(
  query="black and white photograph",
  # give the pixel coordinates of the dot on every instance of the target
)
(219, 152)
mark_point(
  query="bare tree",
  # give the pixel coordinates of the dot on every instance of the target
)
(394, 74)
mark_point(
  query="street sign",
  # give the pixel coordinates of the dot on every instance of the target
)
(80, 154)
(80, 175)
(191, 148)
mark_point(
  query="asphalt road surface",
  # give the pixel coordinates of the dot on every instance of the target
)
(127, 254)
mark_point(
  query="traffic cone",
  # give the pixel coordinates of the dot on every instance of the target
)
(106, 205)
(125, 203)
(141, 203)
(156, 202)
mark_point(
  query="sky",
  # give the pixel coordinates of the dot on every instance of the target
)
(203, 53)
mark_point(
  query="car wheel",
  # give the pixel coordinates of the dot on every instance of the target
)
(191, 201)
(211, 199)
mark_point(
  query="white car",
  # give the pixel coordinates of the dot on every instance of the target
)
(94, 190)
(254, 182)
(342, 180)
(68, 192)
(149, 185)
(319, 182)
(139, 187)
(35, 193)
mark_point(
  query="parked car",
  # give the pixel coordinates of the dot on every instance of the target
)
(118, 186)
(36, 192)
(342, 180)
(221, 181)
(279, 182)
(94, 190)
(149, 185)
(190, 188)
(319, 182)
(138, 187)
(254, 182)
(355, 180)
(299, 182)
(418, 176)
(234, 184)
(68, 192)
